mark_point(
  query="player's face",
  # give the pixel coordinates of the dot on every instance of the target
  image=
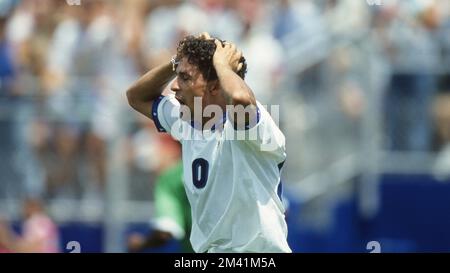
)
(189, 84)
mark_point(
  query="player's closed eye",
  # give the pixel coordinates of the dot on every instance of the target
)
(183, 76)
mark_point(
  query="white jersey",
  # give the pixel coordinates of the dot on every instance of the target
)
(233, 186)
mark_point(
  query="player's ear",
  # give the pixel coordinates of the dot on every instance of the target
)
(214, 87)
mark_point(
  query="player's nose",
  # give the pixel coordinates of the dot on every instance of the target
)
(174, 86)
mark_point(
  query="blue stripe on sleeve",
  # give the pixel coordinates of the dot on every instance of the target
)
(155, 114)
(280, 185)
(258, 117)
(280, 190)
(250, 124)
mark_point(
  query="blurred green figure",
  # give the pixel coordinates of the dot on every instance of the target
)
(172, 213)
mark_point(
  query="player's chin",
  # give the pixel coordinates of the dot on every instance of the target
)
(180, 100)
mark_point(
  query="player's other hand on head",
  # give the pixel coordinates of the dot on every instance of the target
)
(227, 55)
(205, 35)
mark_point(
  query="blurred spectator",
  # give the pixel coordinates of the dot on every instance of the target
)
(159, 29)
(30, 30)
(414, 55)
(341, 21)
(4, 236)
(301, 28)
(143, 159)
(286, 21)
(172, 214)
(172, 219)
(173, 19)
(255, 41)
(7, 69)
(297, 21)
(87, 68)
(39, 232)
(441, 115)
(8, 145)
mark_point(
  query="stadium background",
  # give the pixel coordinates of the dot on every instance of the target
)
(364, 103)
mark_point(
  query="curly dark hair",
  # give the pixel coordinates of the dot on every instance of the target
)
(200, 52)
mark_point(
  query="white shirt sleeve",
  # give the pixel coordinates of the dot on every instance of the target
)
(264, 134)
(166, 112)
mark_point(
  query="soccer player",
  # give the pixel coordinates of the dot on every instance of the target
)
(233, 185)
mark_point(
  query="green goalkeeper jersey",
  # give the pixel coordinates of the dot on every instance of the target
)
(172, 209)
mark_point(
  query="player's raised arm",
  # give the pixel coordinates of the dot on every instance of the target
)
(149, 87)
(227, 62)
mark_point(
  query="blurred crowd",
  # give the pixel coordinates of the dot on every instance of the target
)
(64, 70)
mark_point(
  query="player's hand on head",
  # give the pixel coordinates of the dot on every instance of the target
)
(227, 55)
(205, 35)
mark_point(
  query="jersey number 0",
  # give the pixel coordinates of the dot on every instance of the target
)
(200, 172)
